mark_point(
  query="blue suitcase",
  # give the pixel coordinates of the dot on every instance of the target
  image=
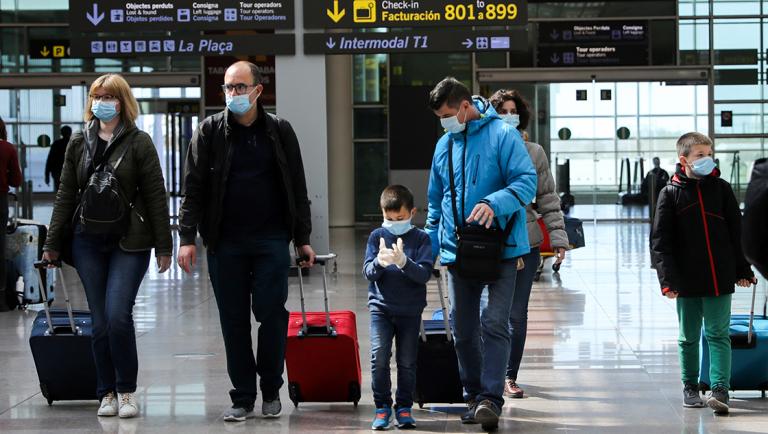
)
(749, 347)
(61, 347)
(24, 246)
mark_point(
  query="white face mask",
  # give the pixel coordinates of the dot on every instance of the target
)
(452, 124)
(511, 119)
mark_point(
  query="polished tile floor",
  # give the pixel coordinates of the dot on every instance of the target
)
(601, 356)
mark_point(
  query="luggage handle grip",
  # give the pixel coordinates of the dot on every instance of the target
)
(446, 322)
(322, 260)
(316, 332)
(41, 266)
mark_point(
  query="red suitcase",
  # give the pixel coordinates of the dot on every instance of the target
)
(322, 353)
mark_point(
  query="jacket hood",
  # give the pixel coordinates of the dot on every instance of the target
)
(487, 114)
(680, 178)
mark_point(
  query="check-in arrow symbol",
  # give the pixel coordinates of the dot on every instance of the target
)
(554, 35)
(336, 15)
(330, 43)
(95, 18)
(555, 58)
(45, 52)
(467, 43)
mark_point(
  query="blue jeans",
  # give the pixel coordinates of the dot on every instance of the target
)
(251, 274)
(518, 316)
(405, 331)
(482, 337)
(111, 278)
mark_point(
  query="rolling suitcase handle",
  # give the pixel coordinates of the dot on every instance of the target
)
(305, 331)
(41, 266)
(446, 321)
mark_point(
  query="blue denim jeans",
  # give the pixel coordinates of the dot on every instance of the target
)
(518, 316)
(482, 336)
(405, 331)
(250, 274)
(111, 278)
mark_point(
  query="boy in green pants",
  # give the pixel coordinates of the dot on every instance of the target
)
(696, 250)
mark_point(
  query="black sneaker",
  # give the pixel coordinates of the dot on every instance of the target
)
(469, 416)
(487, 415)
(718, 401)
(691, 397)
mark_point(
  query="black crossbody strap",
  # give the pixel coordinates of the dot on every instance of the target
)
(453, 185)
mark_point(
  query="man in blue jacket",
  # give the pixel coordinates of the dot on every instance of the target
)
(496, 179)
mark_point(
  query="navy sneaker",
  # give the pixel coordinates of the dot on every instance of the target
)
(487, 415)
(381, 419)
(469, 416)
(404, 418)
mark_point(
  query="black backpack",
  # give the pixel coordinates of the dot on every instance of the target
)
(104, 208)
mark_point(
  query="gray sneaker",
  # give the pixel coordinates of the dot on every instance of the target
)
(271, 409)
(469, 416)
(237, 414)
(691, 397)
(718, 401)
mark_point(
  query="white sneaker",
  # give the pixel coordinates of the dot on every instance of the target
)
(108, 405)
(128, 405)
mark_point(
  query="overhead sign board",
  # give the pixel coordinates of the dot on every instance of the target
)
(194, 45)
(601, 43)
(48, 48)
(592, 55)
(127, 15)
(597, 32)
(412, 42)
(350, 14)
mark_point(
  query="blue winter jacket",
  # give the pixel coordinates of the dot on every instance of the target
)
(497, 170)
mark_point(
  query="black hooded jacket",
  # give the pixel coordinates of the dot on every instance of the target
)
(754, 237)
(696, 237)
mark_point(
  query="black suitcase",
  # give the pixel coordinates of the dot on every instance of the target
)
(437, 371)
(61, 347)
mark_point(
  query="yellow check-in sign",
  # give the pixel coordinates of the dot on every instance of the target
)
(364, 11)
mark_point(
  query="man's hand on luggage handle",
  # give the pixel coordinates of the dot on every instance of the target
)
(560, 255)
(308, 255)
(163, 263)
(187, 257)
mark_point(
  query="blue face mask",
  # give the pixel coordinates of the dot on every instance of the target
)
(397, 228)
(703, 166)
(511, 119)
(104, 111)
(239, 104)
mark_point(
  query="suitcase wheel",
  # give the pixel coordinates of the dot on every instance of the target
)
(537, 276)
(421, 405)
(354, 392)
(556, 268)
(295, 393)
(355, 403)
(50, 402)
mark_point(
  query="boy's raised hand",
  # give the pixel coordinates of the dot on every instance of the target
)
(745, 283)
(398, 256)
(385, 256)
(671, 295)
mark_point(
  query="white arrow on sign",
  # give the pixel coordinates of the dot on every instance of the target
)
(330, 43)
(467, 43)
(95, 18)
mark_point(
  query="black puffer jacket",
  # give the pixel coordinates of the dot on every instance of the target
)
(755, 233)
(207, 166)
(696, 237)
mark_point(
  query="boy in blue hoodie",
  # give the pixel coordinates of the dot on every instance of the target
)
(398, 265)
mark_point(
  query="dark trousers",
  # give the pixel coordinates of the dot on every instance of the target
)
(518, 316)
(3, 225)
(252, 272)
(111, 278)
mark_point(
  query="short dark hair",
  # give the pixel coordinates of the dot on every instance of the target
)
(66, 131)
(395, 197)
(449, 91)
(3, 131)
(523, 109)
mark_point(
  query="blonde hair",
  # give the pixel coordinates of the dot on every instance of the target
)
(686, 142)
(116, 86)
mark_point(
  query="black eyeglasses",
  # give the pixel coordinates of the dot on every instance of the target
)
(239, 88)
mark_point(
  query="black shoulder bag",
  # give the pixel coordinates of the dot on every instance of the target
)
(479, 250)
(103, 206)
